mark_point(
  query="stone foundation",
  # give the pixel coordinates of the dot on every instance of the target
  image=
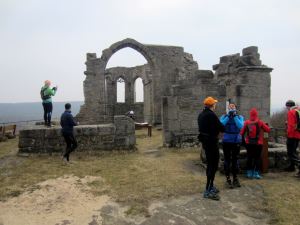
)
(277, 155)
(117, 135)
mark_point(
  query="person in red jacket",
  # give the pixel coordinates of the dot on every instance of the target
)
(254, 129)
(293, 136)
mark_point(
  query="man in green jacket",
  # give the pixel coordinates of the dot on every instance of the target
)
(46, 94)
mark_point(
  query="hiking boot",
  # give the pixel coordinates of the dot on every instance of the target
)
(236, 183)
(297, 175)
(65, 160)
(215, 190)
(229, 183)
(211, 195)
(256, 175)
(249, 174)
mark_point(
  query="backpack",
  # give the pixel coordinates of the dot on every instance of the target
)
(42, 93)
(253, 131)
(298, 120)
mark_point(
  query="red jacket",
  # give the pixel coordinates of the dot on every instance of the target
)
(292, 122)
(262, 127)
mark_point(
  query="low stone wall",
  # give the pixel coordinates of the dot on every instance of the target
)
(119, 135)
(277, 155)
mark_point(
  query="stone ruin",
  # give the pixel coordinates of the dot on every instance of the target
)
(174, 88)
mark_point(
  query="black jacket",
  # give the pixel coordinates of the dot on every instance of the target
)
(67, 122)
(209, 125)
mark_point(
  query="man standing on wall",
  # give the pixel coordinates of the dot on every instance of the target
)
(67, 123)
(209, 129)
(46, 93)
(293, 135)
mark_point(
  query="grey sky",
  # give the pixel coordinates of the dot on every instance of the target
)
(48, 39)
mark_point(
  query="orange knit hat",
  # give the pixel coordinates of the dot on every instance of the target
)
(209, 101)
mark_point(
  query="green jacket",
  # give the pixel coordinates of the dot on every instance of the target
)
(48, 91)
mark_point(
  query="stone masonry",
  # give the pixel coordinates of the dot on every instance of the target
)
(91, 138)
(174, 88)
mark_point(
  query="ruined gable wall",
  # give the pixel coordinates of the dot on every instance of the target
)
(243, 79)
(129, 75)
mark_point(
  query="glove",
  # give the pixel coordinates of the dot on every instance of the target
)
(232, 113)
(54, 88)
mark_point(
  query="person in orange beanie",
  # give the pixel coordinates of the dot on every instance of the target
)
(209, 129)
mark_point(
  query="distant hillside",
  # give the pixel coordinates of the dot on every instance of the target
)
(13, 112)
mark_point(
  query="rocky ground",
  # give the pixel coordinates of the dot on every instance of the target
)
(67, 200)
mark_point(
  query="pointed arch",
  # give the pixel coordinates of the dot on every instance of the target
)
(120, 89)
(138, 90)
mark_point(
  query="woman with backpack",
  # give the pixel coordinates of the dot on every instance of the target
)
(46, 95)
(253, 130)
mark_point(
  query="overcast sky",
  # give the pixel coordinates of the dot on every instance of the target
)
(49, 39)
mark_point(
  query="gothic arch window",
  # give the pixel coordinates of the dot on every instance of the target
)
(138, 90)
(120, 90)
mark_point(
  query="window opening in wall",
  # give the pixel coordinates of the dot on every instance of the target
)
(121, 90)
(138, 90)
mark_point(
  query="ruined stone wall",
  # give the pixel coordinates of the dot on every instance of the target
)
(242, 79)
(129, 75)
(175, 88)
(119, 135)
(166, 65)
(182, 107)
(247, 81)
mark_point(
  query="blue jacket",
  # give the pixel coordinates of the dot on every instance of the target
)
(233, 125)
(67, 122)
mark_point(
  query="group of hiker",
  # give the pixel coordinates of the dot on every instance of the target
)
(236, 132)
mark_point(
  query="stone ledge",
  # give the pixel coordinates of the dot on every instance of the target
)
(120, 135)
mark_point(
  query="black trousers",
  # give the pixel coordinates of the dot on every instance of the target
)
(47, 112)
(254, 156)
(231, 153)
(292, 145)
(211, 148)
(71, 144)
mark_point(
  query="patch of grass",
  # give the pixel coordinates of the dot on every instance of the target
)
(9, 147)
(138, 178)
(134, 179)
(283, 198)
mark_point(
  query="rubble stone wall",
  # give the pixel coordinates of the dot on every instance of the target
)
(175, 88)
(118, 135)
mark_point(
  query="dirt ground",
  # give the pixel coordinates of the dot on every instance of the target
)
(153, 186)
(65, 200)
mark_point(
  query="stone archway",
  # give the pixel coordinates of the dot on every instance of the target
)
(145, 108)
(130, 43)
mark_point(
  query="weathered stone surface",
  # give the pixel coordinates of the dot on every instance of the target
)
(174, 88)
(90, 137)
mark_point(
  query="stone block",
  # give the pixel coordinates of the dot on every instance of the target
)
(107, 138)
(250, 50)
(32, 133)
(26, 142)
(89, 131)
(52, 133)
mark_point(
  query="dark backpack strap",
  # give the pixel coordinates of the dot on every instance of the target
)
(45, 97)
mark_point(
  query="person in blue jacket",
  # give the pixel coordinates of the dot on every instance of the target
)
(67, 123)
(231, 142)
